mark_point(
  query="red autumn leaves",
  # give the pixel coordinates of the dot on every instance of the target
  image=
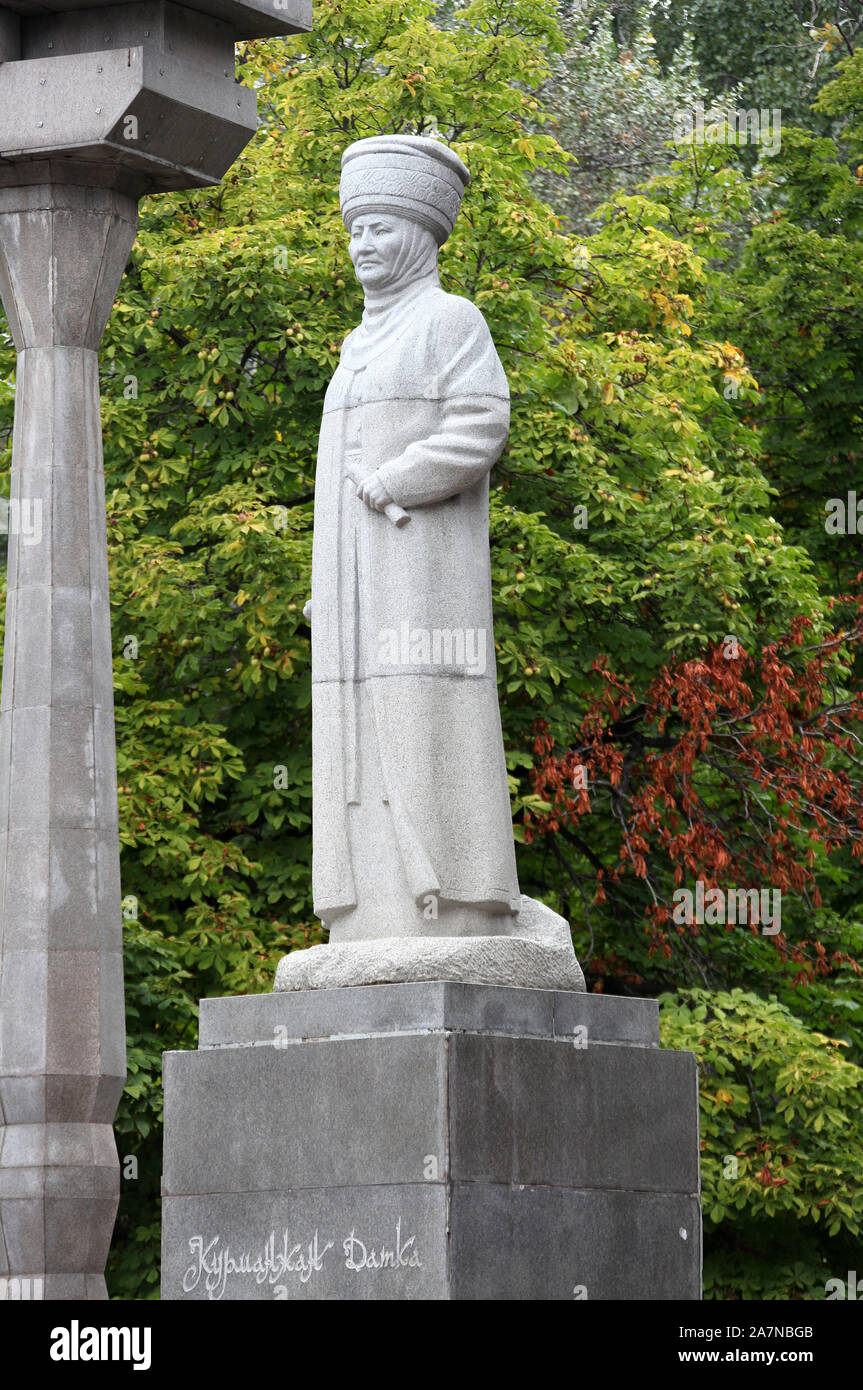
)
(743, 770)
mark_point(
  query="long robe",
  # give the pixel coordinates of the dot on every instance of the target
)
(406, 724)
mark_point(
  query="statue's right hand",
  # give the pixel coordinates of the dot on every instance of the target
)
(372, 491)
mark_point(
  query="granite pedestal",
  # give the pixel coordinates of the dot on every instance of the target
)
(430, 1141)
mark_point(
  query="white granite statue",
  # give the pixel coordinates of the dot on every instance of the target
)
(413, 860)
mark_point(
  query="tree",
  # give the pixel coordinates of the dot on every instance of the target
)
(772, 53)
(781, 1129)
(800, 311)
(730, 772)
(615, 110)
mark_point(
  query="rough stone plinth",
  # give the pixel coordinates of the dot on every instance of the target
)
(486, 960)
(430, 1141)
(540, 956)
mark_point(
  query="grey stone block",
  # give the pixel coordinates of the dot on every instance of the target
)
(206, 120)
(71, 651)
(22, 1182)
(92, 229)
(5, 744)
(560, 1244)
(72, 1099)
(24, 1146)
(30, 674)
(348, 1243)
(30, 771)
(69, 523)
(78, 1231)
(76, 1145)
(75, 919)
(323, 1013)
(520, 1162)
(106, 778)
(72, 1288)
(25, 889)
(526, 1110)
(242, 1119)
(73, 1011)
(523, 1012)
(22, 1228)
(22, 1100)
(434, 1007)
(29, 1287)
(112, 1023)
(81, 1182)
(108, 1095)
(606, 1018)
(103, 681)
(23, 1002)
(191, 35)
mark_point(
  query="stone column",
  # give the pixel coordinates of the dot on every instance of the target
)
(63, 249)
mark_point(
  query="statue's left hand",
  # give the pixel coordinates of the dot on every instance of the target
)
(372, 491)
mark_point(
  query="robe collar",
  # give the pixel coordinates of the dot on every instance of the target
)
(385, 318)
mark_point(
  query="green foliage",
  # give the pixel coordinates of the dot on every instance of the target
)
(800, 312)
(614, 110)
(781, 1142)
(772, 53)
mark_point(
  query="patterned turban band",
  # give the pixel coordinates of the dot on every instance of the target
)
(408, 175)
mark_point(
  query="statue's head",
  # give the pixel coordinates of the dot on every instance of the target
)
(384, 247)
(400, 196)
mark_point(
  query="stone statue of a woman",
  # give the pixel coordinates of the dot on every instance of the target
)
(413, 860)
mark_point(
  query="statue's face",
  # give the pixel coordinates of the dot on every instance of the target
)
(376, 245)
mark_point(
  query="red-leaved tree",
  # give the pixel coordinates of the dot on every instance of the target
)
(736, 768)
